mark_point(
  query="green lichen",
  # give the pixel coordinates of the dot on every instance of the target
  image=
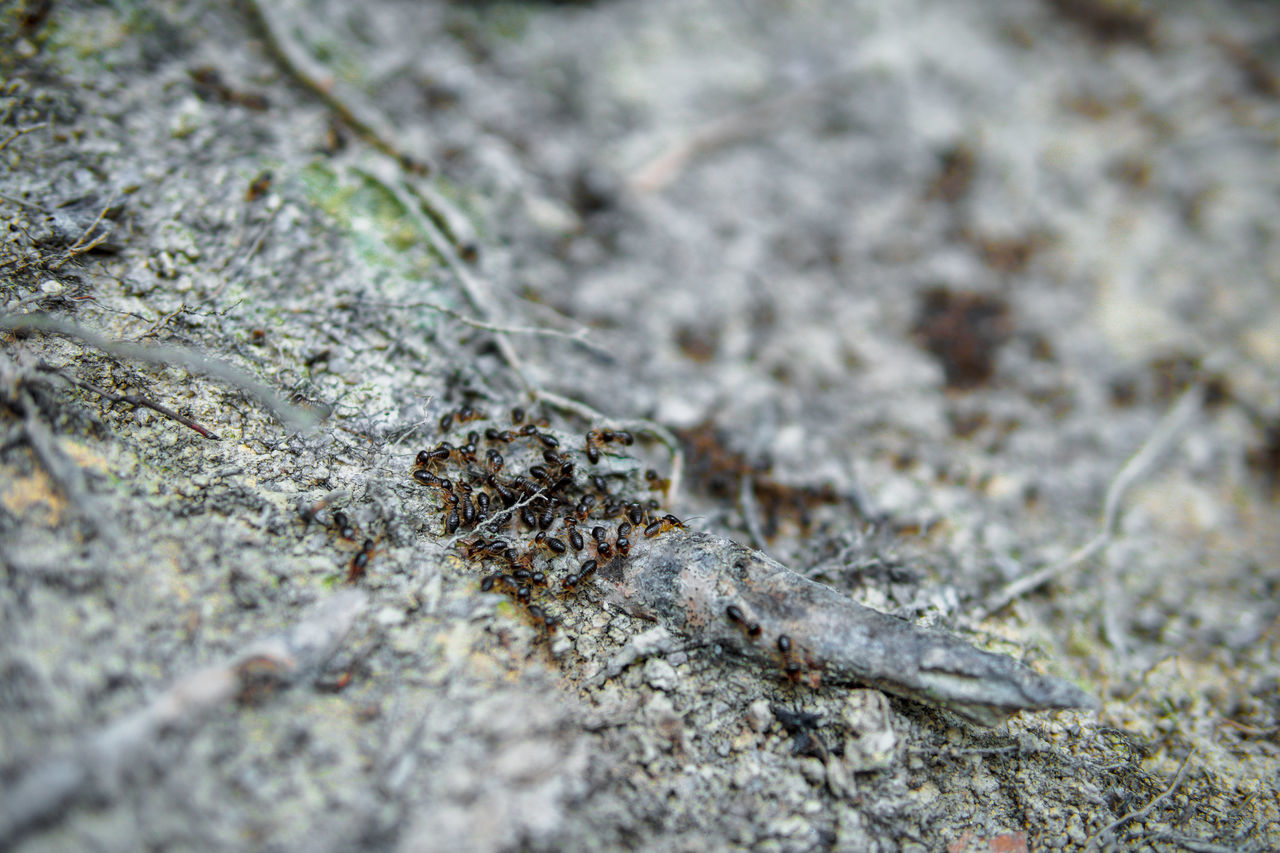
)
(382, 232)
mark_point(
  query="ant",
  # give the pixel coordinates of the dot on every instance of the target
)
(584, 573)
(735, 614)
(541, 617)
(597, 437)
(451, 522)
(429, 458)
(309, 512)
(475, 548)
(791, 667)
(667, 522)
(342, 524)
(549, 542)
(585, 505)
(360, 562)
(426, 478)
(656, 482)
(466, 414)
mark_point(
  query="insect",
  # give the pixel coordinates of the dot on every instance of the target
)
(342, 524)
(360, 562)
(541, 617)
(431, 458)
(735, 614)
(667, 522)
(656, 481)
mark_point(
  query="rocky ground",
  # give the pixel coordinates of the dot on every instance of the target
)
(931, 297)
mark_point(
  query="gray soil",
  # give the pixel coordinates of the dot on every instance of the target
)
(913, 281)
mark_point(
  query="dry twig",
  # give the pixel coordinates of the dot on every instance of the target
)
(80, 247)
(578, 337)
(346, 105)
(747, 503)
(65, 474)
(167, 356)
(22, 131)
(1102, 835)
(738, 126)
(717, 592)
(101, 759)
(1160, 440)
(131, 399)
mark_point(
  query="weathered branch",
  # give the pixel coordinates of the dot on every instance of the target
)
(715, 591)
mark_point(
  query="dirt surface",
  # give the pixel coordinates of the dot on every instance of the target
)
(912, 283)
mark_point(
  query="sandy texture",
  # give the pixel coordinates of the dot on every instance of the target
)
(911, 282)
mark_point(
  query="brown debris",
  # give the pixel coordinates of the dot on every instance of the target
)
(209, 86)
(1008, 255)
(1110, 21)
(716, 470)
(1257, 74)
(1264, 458)
(965, 330)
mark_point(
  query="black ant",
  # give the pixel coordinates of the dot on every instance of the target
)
(735, 614)
(360, 562)
(656, 482)
(342, 524)
(426, 478)
(549, 542)
(309, 512)
(667, 522)
(429, 458)
(541, 617)
(584, 573)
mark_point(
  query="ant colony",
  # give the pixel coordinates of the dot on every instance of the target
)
(520, 509)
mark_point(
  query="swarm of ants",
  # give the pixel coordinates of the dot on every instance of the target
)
(543, 516)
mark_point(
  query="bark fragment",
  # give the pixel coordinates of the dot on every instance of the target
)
(717, 591)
